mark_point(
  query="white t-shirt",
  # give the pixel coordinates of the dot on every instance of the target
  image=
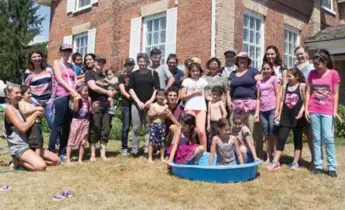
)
(305, 68)
(196, 102)
(278, 70)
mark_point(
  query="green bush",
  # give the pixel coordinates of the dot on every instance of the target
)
(45, 126)
(339, 129)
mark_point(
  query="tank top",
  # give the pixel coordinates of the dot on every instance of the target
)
(225, 152)
(293, 101)
(15, 139)
(83, 112)
(69, 76)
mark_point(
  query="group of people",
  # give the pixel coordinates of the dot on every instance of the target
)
(229, 111)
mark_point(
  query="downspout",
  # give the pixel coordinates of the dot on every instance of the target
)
(213, 29)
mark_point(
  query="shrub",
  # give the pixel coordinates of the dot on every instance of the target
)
(339, 129)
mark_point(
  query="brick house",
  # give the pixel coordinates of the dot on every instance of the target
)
(203, 28)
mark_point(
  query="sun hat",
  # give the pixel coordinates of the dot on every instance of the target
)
(243, 54)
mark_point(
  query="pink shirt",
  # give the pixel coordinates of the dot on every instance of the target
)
(267, 93)
(321, 99)
(69, 76)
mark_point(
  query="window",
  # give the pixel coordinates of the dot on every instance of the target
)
(290, 43)
(80, 43)
(155, 34)
(253, 37)
(327, 4)
(83, 3)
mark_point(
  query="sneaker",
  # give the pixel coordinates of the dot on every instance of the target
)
(111, 111)
(332, 174)
(124, 152)
(316, 171)
(273, 166)
(294, 166)
(62, 158)
(135, 152)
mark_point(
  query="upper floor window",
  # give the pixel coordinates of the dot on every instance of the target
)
(290, 44)
(154, 32)
(328, 6)
(253, 37)
(83, 3)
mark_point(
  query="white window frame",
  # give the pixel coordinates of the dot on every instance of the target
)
(144, 41)
(292, 30)
(330, 10)
(75, 47)
(262, 38)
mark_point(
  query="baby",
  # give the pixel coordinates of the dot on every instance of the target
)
(111, 82)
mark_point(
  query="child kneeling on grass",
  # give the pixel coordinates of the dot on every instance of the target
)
(223, 144)
(157, 113)
(244, 136)
(81, 106)
(183, 148)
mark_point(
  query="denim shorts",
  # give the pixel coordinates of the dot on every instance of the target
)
(18, 154)
(266, 119)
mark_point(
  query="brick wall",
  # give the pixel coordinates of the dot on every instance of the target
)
(112, 20)
(329, 19)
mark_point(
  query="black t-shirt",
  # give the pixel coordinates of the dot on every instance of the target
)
(124, 79)
(144, 83)
(102, 98)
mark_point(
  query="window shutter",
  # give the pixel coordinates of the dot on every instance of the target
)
(135, 36)
(68, 40)
(91, 40)
(170, 46)
(70, 5)
(94, 1)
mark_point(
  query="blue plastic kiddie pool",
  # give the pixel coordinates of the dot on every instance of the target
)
(219, 174)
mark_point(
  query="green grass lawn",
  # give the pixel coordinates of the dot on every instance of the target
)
(141, 185)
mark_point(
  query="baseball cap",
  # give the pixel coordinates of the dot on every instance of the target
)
(65, 47)
(230, 51)
(101, 58)
(129, 61)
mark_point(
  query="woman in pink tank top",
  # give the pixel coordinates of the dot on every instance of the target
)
(66, 81)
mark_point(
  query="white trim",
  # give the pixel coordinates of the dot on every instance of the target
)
(341, 1)
(213, 29)
(334, 46)
(262, 32)
(135, 37)
(75, 37)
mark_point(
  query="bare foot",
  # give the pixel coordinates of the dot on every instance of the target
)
(150, 161)
(12, 166)
(105, 158)
(80, 161)
(92, 159)
(163, 160)
(68, 162)
(267, 162)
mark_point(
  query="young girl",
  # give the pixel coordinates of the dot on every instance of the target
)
(267, 105)
(322, 98)
(81, 106)
(35, 138)
(291, 118)
(223, 144)
(158, 112)
(244, 136)
(193, 92)
(183, 149)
